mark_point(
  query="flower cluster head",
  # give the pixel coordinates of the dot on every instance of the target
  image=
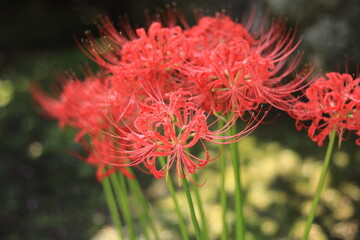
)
(332, 103)
(166, 128)
(160, 87)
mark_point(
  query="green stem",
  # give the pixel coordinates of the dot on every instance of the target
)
(143, 206)
(223, 196)
(191, 207)
(201, 210)
(110, 200)
(140, 206)
(239, 222)
(320, 185)
(121, 194)
(170, 184)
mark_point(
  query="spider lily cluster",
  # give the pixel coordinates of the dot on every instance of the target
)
(159, 87)
(168, 88)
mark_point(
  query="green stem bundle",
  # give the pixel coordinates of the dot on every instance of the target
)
(170, 184)
(119, 185)
(192, 209)
(223, 195)
(145, 216)
(240, 227)
(110, 200)
(204, 226)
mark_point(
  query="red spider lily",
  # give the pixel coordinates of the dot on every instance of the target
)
(210, 32)
(149, 58)
(169, 128)
(356, 122)
(238, 72)
(164, 130)
(99, 153)
(86, 105)
(332, 103)
(232, 75)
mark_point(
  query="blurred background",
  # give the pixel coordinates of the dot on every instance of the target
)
(47, 193)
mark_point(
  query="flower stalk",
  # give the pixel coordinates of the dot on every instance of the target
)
(199, 202)
(223, 195)
(110, 200)
(170, 184)
(239, 209)
(145, 215)
(121, 193)
(192, 208)
(320, 185)
(142, 208)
